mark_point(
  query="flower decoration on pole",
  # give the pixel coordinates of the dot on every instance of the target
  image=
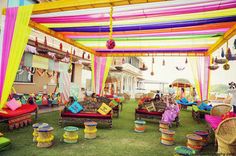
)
(111, 43)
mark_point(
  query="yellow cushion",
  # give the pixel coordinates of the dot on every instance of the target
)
(104, 109)
(3, 112)
(19, 103)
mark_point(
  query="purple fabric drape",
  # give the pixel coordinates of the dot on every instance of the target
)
(9, 26)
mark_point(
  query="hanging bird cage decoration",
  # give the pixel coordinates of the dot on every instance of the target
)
(110, 42)
(44, 48)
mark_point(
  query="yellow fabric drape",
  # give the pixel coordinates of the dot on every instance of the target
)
(193, 62)
(92, 67)
(19, 41)
(108, 65)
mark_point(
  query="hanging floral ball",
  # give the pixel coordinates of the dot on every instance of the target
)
(226, 66)
(110, 44)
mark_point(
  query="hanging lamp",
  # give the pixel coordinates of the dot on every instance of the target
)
(110, 42)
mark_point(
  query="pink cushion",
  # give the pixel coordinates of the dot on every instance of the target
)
(13, 104)
(213, 121)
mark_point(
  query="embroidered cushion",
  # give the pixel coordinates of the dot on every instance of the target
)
(104, 109)
(13, 104)
(75, 107)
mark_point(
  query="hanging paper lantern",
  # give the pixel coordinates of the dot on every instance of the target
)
(110, 44)
(222, 53)
(163, 63)
(186, 61)
(226, 66)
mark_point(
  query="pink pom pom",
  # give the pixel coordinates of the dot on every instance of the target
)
(111, 44)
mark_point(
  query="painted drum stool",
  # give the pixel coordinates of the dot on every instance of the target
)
(204, 135)
(139, 126)
(184, 151)
(163, 125)
(35, 127)
(45, 136)
(167, 137)
(90, 131)
(194, 142)
(71, 134)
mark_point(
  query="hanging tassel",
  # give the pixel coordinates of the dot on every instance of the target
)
(45, 41)
(153, 60)
(216, 59)
(88, 56)
(74, 52)
(235, 44)
(83, 55)
(61, 46)
(114, 62)
(212, 60)
(163, 63)
(123, 60)
(186, 61)
(143, 66)
(222, 53)
(36, 42)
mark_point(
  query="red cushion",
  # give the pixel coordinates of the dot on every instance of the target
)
(85, 115)
(144, 111)
(24, 109)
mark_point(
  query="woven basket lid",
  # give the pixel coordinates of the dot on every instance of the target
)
(141, 122)
(168, 131)
(37, 125)
(90, 123)
(201, 133)
(71, 128)
(194, 137)
(45, 129)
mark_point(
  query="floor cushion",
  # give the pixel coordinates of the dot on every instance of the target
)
(75, 107)
(13, 104)
(24, 109)
(213, 121)
(85, 115)
(4, 142)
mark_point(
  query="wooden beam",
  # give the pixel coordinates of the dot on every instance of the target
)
(60, 36)
(67, 5)
(145, 54)
(222, 40)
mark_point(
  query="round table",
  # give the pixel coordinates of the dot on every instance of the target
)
(45, 136)
(204, 135)
(167, 137)
(90, 131)
(139, 126)
(194, 142)
(35, 127)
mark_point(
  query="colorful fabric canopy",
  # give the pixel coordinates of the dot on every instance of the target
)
(170, 26)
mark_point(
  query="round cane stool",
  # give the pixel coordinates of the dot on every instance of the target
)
(167, 137)
(139, 126)
(194, 142)
(204, 135)
(90, 131)
(45, 136)
(71, 134)
(35, 127)
(163, 125)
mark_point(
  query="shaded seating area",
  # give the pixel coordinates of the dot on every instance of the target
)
(198, 113)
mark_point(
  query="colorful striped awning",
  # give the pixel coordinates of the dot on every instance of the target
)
(178, 27)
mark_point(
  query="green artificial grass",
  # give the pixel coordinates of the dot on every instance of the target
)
(121, 140)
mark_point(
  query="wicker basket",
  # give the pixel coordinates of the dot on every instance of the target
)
(220, 109)
(226, 136)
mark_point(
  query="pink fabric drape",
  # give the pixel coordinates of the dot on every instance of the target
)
(9, 25)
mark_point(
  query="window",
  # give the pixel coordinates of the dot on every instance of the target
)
(24, 76)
